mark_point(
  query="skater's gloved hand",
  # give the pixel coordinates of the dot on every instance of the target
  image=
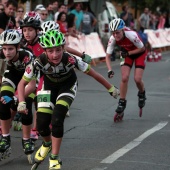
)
(110, 73)
(6, 99)
(86, 58)
(22, 108)
(114, 91)
(124, 54)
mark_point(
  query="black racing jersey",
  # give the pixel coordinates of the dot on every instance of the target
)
(24, 59)
(56, 73)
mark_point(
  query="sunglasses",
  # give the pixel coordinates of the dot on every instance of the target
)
(43, 14)
(20, 11)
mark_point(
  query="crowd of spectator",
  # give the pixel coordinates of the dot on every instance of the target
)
(77, 17)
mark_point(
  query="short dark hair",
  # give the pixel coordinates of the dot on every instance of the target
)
(13, 3)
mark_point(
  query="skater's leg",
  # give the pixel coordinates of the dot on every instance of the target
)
(140, 85)
(5, 126)
(28, 144)
(43, 122)
(125, 72)
(138, 74)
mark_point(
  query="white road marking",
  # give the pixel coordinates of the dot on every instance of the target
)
(113, 157)
(99, 168)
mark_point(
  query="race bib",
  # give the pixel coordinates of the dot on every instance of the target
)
(44, 98)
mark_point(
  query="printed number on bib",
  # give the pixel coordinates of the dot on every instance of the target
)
(43, 98)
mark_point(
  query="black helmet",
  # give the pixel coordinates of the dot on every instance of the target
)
(31, 19)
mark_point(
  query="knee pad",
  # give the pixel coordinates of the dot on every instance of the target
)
(43, 122)
(58, 117)
(27, 119)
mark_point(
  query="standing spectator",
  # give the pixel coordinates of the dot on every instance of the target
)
(144, 19)
(161, 21)
(19, 16)
(1, 8)
(127, 16)
(62, 22)
(71, 25)
(49, 8)
(89, 21)
(153, 20)
(43, 14)
(55, 6)
(79, 15)
(60, 9)
(7, 17)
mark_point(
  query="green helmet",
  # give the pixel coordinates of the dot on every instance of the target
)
(52, 38)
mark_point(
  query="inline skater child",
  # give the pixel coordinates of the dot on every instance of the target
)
(17, 62)
(31, 26)
(132, 50)
(60, 87)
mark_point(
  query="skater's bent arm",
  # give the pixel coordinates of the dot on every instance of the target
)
(136, 51)
(21, 90)
(30, 88)
(73, 51)
(97, 76)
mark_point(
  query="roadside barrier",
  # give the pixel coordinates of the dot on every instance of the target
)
(90, 44)
(159, 40)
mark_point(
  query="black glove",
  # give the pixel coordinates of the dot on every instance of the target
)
(124, 54)
(110, 74)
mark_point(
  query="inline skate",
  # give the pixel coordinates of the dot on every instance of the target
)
(120, 110)
(17, 125)
(54, 162)
(28, 147)
(5, 147)
(41, 155)
(34, 134)
(141, 101)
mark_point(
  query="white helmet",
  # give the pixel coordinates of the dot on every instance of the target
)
(49, 25)
(10, 37)
(116, 24)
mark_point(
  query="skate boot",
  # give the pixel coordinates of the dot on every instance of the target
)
(141, 101)
(120, 110)
(5, 147)
(41, 154)
(34, 134)
(54, 162)
(28, 147)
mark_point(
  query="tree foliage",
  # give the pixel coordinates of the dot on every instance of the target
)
(164, 5)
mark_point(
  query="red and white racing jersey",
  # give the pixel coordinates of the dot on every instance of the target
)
(131, 41)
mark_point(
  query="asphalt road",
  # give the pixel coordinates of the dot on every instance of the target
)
(92, 141)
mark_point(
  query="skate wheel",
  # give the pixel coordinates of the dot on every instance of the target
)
(30, 159)
(140, 112)
(35, 166)
(118, 117)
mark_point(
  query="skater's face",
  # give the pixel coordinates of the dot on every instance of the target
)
(54, 54)
(9, 51)
(29, 33)
(118, 35)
